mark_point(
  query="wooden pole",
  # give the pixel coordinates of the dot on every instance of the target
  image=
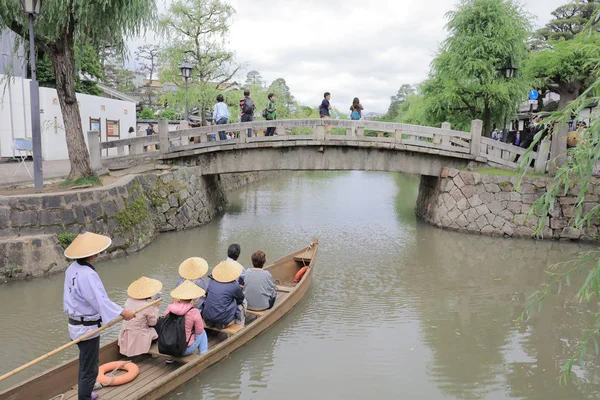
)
(74, 342)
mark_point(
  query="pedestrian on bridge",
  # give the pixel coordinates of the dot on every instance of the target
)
(247, 109)
(221, 115)
(324, 109)
(356, 109)
(271, 113)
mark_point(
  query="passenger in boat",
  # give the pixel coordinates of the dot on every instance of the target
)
(260, 288)
(137, 334)
(233, 253)
(193, 269)
(87, 306)
(225, 301)
(185, 295)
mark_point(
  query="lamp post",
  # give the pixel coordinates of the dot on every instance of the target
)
(509, 71)
(32, 8)
(186, 72)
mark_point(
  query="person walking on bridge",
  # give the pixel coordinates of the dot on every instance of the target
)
(87, 305)
(271, 112)
(324, 109)
(247, 109)
(356, 109)
(221, 115)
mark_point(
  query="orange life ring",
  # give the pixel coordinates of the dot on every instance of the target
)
(300, 274)
(112, 380)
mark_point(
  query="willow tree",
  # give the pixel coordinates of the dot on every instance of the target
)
(466, 80)
(196, 31)
(65, 23)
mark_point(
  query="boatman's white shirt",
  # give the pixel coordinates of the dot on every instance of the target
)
(84, 296)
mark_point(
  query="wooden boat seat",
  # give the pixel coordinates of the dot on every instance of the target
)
(304, 260)
(184, 360)
(230, 330)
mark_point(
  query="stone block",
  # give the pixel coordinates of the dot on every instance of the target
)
(52, 201)
(54, 230)
(492, 188)
(482, 209)
(173, 202)
(507, 215)
(514, 196)
(31, 231)
(85, 197)
(503, 196)
(514, 207)
(454, 214)
(487, 197)
(520, 219)
(462, 204)
(468, 191)
(5, 222)
(506, 186)
(458, 182)
(588, 207)
(475, 201)
(93, 211)
(110, 208)
(24, 218)
(26, 203)
(452, 172)
(476, 178)
(488, 179)
(558, 223)
(457, 194)
(498, 222)
(70, 199)
(471, 215)
(591, 198)
(568, 211)
(508, 229)
(480, 189)
(473, 228)
(167, 177)
(184, 194)
(481, 222)
(567, 200)
(525, 208)
(49, 217)
(467, 177)
(490, 218)
(523, 231)
(495, 207)
(79, 213)
(9, 233)
(570, 233)
(444, 172)
(590, 231)
(461, 221)
(490, 230)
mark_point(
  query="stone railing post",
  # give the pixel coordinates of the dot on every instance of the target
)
(243, 135)
(446, 139)
(360, 131)
(320, 132)
(558, 148)
(542, 157)
(350, 131)
(163, 135)
(476, 128)
(184, 140)
(94, 147)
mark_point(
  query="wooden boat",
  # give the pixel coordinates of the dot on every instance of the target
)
(156, 377)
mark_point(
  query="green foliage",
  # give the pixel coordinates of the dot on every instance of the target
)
(169, 114)
(146, 113)
(569, 20)
(136, 213)
(88, 180)
(66, 238)
(396, 102)
(465, 81)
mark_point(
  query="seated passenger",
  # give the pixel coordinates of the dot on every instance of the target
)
(225, 302)
(183, 304)
(260, 288)
(233, 253)
(193, 269)
(137, 334)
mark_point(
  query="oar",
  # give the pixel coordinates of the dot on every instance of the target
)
(80, 339)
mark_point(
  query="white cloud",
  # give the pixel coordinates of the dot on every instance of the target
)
(349, 48)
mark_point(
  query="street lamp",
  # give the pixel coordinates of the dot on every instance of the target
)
(186, 72)
(509, 71)
(32, 8)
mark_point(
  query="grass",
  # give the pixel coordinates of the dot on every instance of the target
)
(66, 238)
(503, 172)
(85, 181)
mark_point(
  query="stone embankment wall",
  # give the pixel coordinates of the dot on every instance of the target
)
(492, 205)
(132, 211)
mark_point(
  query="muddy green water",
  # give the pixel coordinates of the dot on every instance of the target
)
(397, 309)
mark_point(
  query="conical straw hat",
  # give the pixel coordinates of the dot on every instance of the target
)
(144, 288)
(227, 271)
(193, 268)
(188, 290)
(86, 245)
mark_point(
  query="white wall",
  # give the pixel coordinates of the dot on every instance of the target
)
(16, 117)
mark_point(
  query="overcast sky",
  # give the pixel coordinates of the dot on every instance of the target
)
(350, 48)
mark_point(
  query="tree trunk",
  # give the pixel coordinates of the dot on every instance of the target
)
(63, 59)
(487, 121)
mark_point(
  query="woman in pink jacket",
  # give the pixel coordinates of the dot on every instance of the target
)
(183, 304)
(138, 333)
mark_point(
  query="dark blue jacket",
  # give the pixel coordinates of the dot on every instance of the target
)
(221, 302)
(324, 108)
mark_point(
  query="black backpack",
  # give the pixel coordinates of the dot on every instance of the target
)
(248, 106)
(171, 334)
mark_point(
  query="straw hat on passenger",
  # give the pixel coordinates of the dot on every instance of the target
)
(86, 245)
(227, 271)
(193, 268)
(144, 288)
(188, 290)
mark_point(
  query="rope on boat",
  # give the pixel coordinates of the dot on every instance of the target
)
(112, 373)
(310, 246)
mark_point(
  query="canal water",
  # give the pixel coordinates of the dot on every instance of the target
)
(397, 309)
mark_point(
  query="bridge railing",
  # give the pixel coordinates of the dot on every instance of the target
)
(442, 140)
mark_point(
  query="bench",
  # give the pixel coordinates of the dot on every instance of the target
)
(303, 260)
(184, 360)
(230, 330)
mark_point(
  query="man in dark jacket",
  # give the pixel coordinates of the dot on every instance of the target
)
(247, 109)
(225, 302)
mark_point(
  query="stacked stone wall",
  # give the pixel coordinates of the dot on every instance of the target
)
(493, 205)
(132, 211)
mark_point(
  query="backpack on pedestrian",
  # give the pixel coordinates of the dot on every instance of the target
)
(265, 113)
(355, 116)
(248, 107)
(171, 334)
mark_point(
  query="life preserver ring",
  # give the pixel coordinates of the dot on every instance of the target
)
(106, 372)
(300, 274)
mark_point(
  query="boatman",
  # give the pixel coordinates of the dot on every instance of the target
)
(87, 305)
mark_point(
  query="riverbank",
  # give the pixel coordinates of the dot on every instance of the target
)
(132, 211)
(488, 204)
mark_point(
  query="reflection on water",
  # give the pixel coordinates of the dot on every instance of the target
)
(397, 309)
